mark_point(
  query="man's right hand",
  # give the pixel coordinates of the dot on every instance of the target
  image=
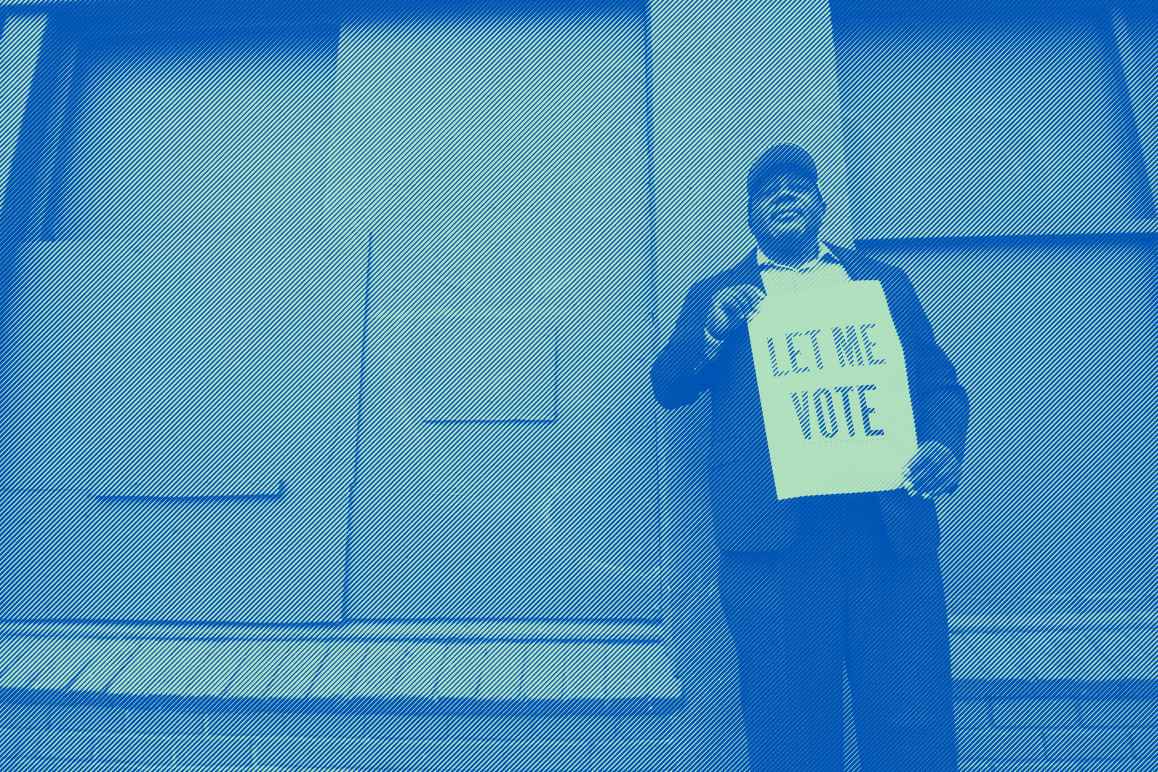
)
(731, 308)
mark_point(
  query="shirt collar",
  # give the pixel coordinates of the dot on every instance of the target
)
(823, 255)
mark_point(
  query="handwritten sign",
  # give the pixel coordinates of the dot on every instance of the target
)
(834, 390)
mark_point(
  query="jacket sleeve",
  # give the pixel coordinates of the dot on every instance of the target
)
(680, 372)
(940, 404)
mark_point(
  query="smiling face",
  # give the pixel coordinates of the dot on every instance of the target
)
(785, 212)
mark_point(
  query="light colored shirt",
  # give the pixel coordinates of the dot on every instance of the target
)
(820, 271)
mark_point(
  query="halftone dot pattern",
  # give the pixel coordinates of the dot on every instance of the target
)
(209, 361)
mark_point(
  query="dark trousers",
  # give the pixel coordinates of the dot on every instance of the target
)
(840, 595)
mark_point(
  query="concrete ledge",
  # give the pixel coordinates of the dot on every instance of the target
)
(1123, 656)
(968, 689)
(440, 677)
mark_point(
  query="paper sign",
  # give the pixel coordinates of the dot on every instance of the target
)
(834, 390)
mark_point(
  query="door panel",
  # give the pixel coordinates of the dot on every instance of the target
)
(178, 429)
(179, 367)
(507, 466)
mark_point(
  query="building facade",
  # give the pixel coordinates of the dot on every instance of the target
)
(327, 437)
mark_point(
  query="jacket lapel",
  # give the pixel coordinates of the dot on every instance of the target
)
(747, 272)
(856, 267)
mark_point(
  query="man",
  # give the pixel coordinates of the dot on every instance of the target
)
(808, 584)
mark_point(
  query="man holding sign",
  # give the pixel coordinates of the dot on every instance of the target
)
(836, 420)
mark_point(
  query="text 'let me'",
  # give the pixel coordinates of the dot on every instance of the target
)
(829, 411)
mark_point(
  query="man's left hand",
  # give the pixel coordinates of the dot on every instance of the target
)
(932, 471)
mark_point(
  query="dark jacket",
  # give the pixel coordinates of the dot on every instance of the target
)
(745, 511)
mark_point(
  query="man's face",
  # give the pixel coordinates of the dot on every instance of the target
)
(787, 207)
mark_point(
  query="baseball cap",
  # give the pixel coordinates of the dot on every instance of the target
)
(780, 158)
